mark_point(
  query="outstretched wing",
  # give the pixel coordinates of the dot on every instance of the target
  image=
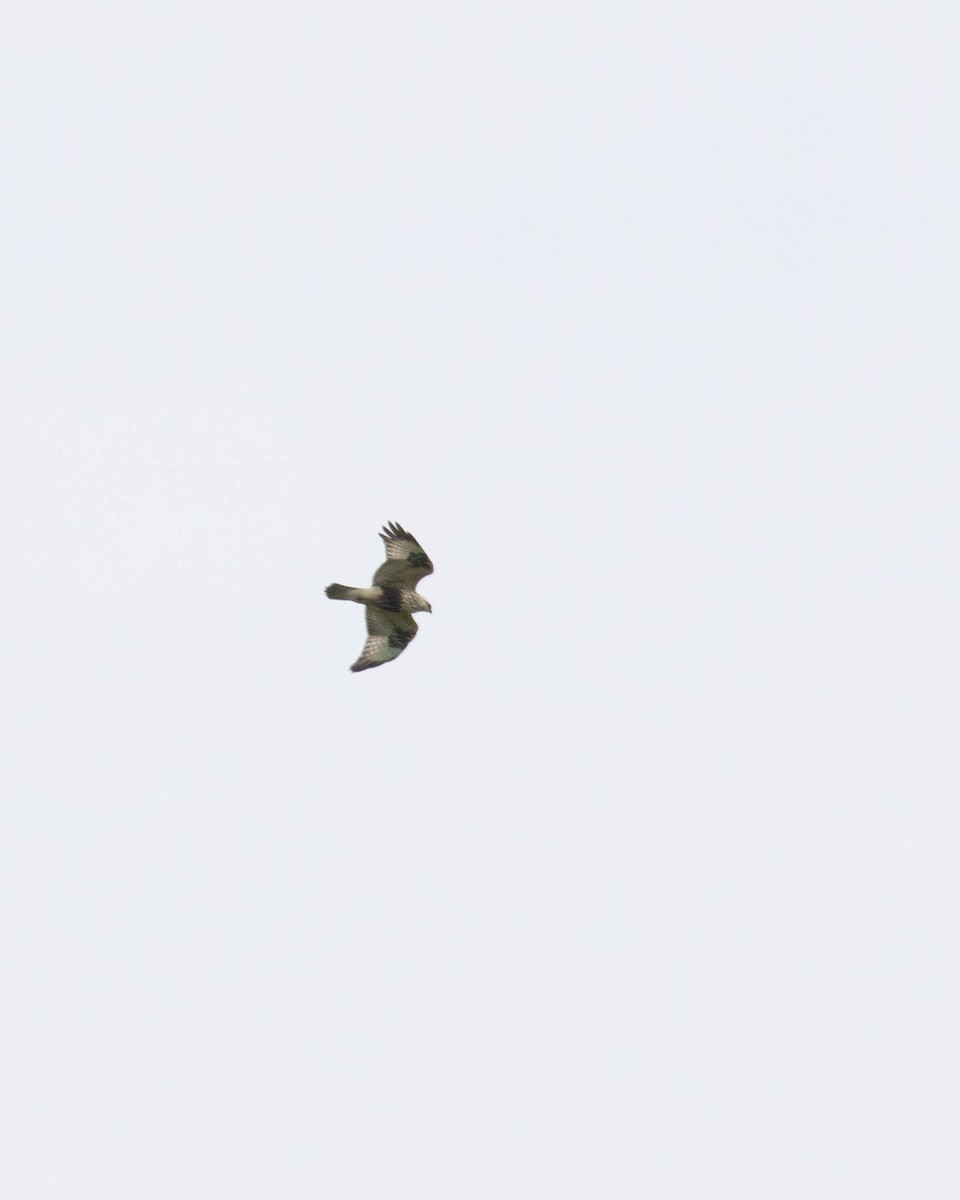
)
(388, 635)
(406, 562)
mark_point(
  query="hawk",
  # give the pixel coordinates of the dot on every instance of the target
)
(391, 599)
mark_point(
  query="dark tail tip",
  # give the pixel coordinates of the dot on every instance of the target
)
(336, 591)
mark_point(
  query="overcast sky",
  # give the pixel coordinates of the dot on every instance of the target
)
(636, 875)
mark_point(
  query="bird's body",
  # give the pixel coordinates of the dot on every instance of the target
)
(390, 599)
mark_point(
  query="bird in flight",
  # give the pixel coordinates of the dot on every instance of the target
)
(391, 599)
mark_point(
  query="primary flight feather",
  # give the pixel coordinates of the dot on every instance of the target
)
(391, 599)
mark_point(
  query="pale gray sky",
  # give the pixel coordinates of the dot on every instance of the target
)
(636, 876)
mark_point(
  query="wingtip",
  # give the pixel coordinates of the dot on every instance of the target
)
(394, 531)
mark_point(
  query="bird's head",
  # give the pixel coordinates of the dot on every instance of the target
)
(423, 605)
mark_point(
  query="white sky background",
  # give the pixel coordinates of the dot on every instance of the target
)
(637, 874)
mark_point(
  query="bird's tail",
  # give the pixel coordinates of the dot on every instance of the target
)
(337, 591)
(370, 595)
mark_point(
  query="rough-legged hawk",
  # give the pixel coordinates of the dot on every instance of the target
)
(391, 599)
